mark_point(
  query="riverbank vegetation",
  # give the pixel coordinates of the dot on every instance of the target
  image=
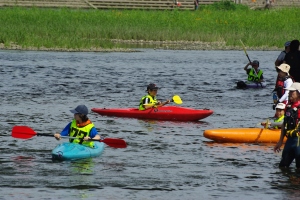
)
(223, 22)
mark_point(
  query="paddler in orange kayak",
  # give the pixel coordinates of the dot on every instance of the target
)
(278, 119)
(149, 100)
(290, 129)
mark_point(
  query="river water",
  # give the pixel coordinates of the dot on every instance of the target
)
(163, 160)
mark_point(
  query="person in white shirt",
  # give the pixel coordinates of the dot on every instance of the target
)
(284, 80)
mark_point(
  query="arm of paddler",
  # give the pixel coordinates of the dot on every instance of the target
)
(147, 106)
(279, 143)
(157, 105)
(93, 135)
(276, 124)
(246, 67)
(64, 132)
(164, 103)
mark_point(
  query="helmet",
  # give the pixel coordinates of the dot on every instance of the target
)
(152, 86)
(255, 62)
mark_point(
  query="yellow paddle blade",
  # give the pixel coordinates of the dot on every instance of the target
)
(267, 123)
(177, 99)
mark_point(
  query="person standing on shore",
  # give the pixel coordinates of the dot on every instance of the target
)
(196, 3)
(290, 129)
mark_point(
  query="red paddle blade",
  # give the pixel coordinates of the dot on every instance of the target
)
(114, 142)
(22, 132)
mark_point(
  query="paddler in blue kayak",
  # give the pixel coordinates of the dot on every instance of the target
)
(254, 74)
(80, 127)
(149, 101)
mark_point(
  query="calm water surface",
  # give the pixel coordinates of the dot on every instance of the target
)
(163, 160)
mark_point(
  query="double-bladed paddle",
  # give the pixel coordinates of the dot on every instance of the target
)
(25, 132)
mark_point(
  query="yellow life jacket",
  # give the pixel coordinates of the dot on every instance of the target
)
(252, 76)
(280, 119)
(152, 101)
(80, 133)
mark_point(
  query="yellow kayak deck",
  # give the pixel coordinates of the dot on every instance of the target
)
(244, 135)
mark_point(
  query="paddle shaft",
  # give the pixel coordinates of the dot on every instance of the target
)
(177, 101)
(68, 137)
(95, 140)
(47, 135)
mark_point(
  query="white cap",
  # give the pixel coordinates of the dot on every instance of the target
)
(294, 86)
(280, 106)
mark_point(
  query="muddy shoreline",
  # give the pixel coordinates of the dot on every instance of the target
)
(167, 45)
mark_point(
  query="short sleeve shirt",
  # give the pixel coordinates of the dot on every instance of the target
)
(281, 56)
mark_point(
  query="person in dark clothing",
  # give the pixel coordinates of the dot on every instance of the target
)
(292, 58)
(282, 54)
(290, 129)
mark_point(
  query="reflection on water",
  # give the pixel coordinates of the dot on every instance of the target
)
(163, 160)
(241, 146)
(84, 166)
(152, 125)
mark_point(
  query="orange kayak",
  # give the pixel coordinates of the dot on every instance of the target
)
(244, 135)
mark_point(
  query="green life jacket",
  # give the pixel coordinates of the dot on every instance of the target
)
(280, 119)
(252, 76)
(153, 100)
(80, 133)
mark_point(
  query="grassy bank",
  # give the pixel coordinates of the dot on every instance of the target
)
(66, 28)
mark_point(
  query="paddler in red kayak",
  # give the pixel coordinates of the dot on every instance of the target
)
(149, 101)
(290, 129)
(80, 127)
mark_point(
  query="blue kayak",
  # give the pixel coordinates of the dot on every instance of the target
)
(72, 151)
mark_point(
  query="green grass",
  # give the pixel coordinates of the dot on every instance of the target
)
(222, 22)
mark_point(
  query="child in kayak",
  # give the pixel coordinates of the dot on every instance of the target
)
(278, 119)
(80, 127)
(149, 100)
(254, 74)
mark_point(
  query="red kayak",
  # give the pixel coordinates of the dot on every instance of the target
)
(170, 113)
